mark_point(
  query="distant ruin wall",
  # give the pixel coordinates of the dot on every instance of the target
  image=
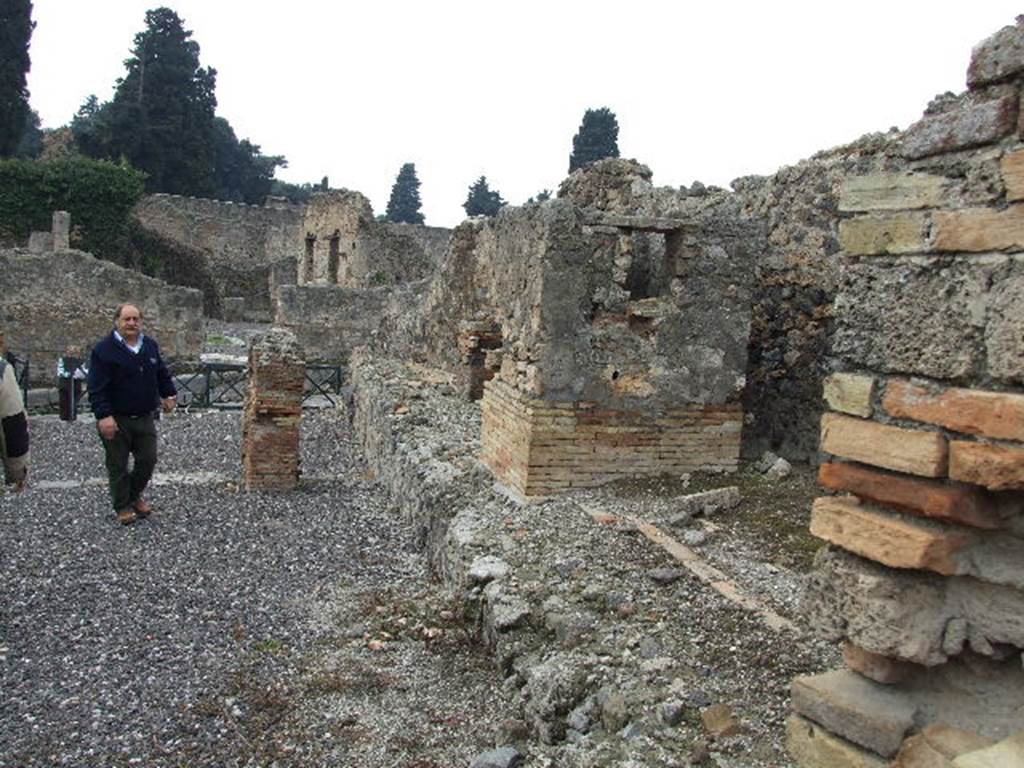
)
(59, 304)
(330, 321)
(343, 244)
(243, 244)
(923, 578)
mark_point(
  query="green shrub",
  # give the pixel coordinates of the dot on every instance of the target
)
(98, 194)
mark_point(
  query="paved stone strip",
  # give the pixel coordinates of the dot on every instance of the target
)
(159, 479)
(703, 570)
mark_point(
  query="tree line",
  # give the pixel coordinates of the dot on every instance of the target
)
(162, 121)
(597, 138)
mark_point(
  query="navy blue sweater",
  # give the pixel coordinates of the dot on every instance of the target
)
(124, 383)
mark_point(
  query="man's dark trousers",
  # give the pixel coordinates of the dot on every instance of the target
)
(135, 436)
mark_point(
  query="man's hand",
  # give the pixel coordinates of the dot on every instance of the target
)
(107, 427)
(170, 403)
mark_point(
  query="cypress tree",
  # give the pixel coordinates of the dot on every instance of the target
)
(404, 204)
(481, 201)
(16, 27)
(597, 138)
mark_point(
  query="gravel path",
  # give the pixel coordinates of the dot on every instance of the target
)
(230, 628)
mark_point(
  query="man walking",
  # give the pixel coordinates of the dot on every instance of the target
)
(13, 429)
(127, 382)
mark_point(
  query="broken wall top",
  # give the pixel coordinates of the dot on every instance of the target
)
(616, 292)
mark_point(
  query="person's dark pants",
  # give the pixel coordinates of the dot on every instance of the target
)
(135, 437)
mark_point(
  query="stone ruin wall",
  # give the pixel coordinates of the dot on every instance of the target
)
(923, 576)
(790, 243)
(335, 240)
(795, 285)
(330, 321)
(60, 303)
(606, 330)
(351, 269)
(343, 244)
(249, 248)
(332, 249)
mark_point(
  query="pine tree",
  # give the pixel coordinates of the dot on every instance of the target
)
(31, 142)
(16, 27)
(243, 173)
(162, 115)
(597, 138)
(404, 204)
(481, 201)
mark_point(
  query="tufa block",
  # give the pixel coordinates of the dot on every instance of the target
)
(978, 229)
(970, 125)
(811, 746)
(891, 192)
(874, 716)
(894, 234)
(849, 393)
(903, 450)
(1012, 167)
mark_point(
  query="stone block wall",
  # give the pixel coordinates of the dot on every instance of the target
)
(923, 576)
(58, 304)
(242, 244)
(330, 321)
(250, 250)
(797, 279)
(273, 413)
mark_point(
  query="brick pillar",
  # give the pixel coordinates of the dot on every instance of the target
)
(61, 230)
(273, 412)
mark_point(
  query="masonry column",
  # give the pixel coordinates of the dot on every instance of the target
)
(273, 412)
(61, 230)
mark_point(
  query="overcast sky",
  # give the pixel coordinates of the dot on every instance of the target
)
(702, 90)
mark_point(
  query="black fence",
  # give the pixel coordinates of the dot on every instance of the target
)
(200, 385)
(224, 385)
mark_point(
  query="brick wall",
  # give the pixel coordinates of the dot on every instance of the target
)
(923, 578)
(538, 447)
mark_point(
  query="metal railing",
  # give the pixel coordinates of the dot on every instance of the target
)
(209, 385)
(224, 385)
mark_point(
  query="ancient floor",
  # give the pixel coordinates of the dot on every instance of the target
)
(236, 629)
(229, 628)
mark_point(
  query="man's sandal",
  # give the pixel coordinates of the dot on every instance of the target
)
(142, 508)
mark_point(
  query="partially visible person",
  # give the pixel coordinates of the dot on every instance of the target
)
(13, 429)
(128, 381)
